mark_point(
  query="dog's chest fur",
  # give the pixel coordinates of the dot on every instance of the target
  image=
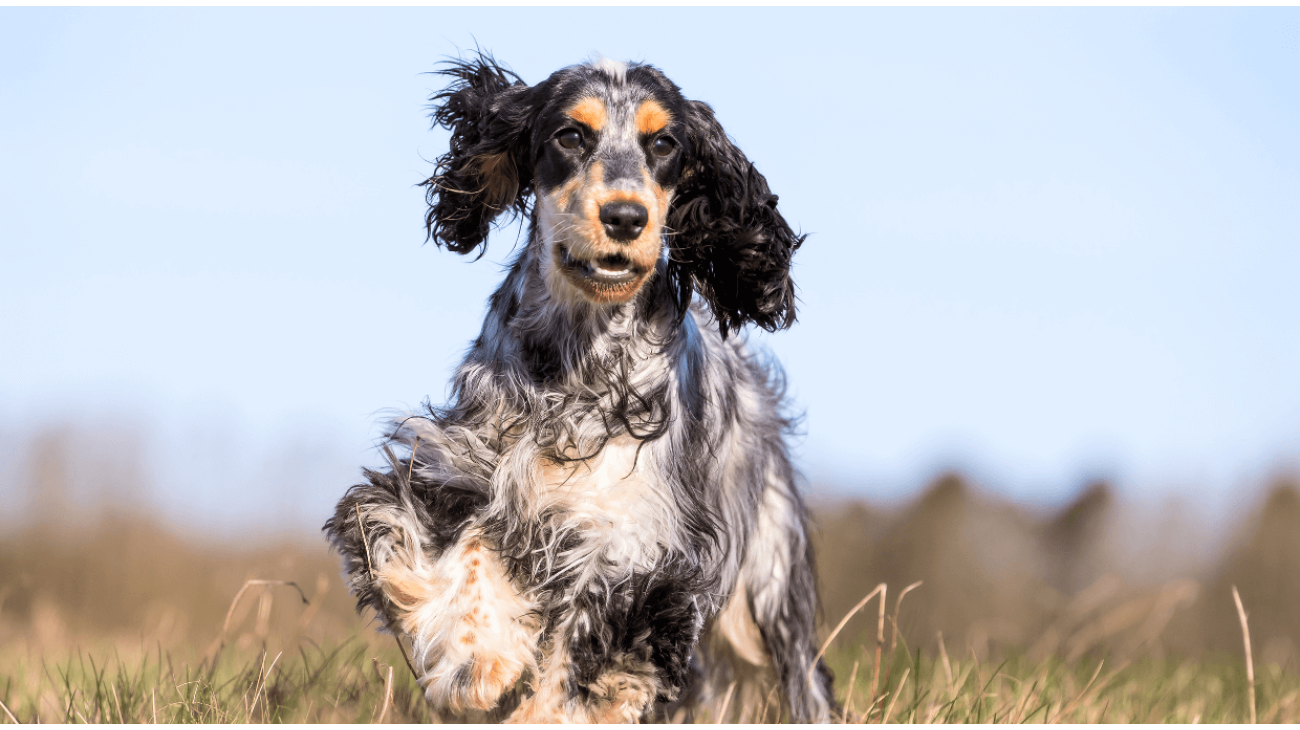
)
(622, 510)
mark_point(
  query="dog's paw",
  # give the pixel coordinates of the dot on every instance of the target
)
(472, 632)
(621, 695)
(474, 683)
(624, 695)
(533, 712)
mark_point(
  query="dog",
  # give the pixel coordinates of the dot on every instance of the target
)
(603, 525)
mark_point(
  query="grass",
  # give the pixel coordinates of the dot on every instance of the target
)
(348, 682)
(354, 681)
(358, 680)
(1020, 619)
(1016, 690)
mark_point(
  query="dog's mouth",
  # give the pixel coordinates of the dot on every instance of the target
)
(608, 274)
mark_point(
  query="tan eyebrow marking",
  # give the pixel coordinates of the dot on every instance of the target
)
(590, 111)
(651, 117)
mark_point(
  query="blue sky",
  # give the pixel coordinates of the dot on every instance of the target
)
(1046, 244)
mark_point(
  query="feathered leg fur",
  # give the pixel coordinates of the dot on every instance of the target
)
(415, 555)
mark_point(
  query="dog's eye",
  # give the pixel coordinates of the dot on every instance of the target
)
(663, 146)
(570, 139)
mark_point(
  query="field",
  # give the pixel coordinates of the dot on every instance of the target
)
(1020, 617)
(354, 681)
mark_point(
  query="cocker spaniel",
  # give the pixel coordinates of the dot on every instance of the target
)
(603, 524)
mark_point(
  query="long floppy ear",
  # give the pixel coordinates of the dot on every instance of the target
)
(727, 238)
(488, 171)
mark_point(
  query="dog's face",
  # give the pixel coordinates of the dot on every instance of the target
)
(614, 164)
(608, 156)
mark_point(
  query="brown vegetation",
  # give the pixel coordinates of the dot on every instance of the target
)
(1001, 582)
(999, 576)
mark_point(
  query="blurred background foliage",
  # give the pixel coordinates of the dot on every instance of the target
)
(86, 560)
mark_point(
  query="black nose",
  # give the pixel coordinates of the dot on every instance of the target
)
(623, 219)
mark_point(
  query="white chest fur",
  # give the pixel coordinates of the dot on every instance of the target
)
(615, 502)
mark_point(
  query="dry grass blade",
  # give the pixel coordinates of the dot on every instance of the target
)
(9, 714)
(388, 695)
(1069, 707)
(366, 541)
(1250, 663)
(726, 703)
(262, 626)
(947, 665)
(898, 605)
(261, 687)
(893, 638)
(880, 641)
(410, 465)
(225, 625)
(406, 658)
(214, 650)
(848, 699)
(897, 691)
(840, 627)
(1018, 715)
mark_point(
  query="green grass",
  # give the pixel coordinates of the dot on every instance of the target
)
(126, 622)
(349, 682)
(919, 688)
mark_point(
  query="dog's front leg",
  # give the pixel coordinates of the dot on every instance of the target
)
(613, 654)
(472, 631)
(415, 554)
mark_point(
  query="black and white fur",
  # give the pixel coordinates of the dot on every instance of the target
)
(603, 523)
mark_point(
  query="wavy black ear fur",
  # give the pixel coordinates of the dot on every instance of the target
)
(727, 240)
(488, 171)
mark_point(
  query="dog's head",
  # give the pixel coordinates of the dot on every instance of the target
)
(619, 164)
